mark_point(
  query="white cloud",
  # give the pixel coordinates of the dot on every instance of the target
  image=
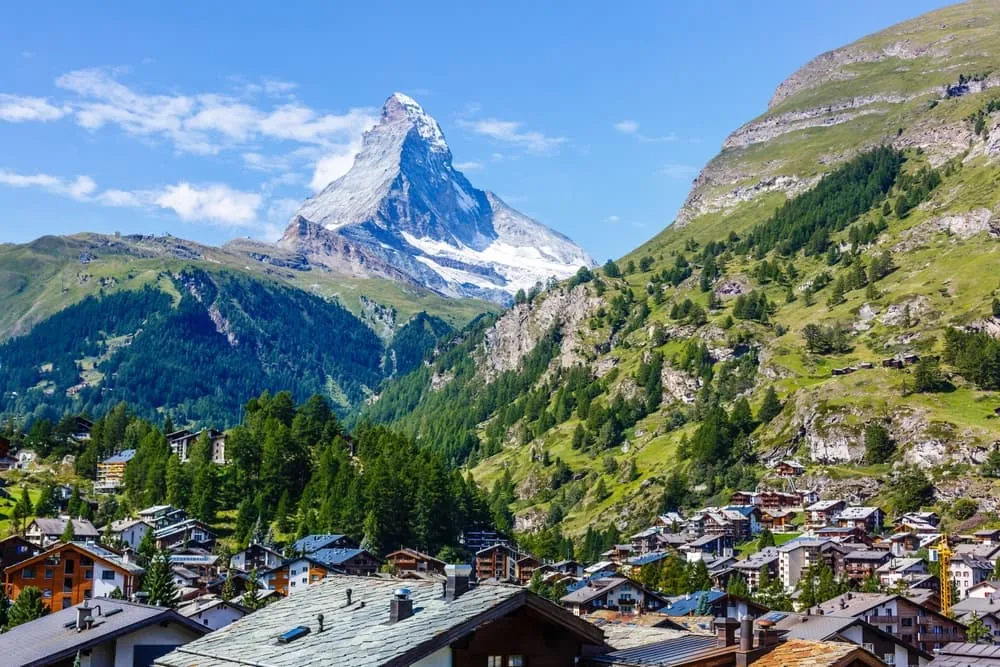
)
(214, 203)
(613, 219)
(627, 126)
(472, 165)
(79, 188)
(509, 131)
(679, 171)
(17, 109)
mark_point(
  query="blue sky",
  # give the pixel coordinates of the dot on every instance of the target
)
(211, 122)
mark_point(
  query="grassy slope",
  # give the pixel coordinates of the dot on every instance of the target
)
(957, 277)
(40, 278)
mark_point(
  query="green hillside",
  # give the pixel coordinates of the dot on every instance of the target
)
(854, 222)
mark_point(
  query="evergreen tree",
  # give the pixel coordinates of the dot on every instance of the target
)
(879, 446)
(737, 585)
(766, 539)
(251, 596)
(27, 607)
(204, 487)
(147, 548)
(976, 631)
(75, 505)
(117, 594)
(23, 509)
(69, 533)
(158, 582)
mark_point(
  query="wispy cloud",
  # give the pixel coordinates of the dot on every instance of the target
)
(679, 171)
(613, 219)
(511, 132)
(469, 166)
(631, 128)
(18, 109)
(214, 203)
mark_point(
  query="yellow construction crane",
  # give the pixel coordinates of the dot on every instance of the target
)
(944, 577)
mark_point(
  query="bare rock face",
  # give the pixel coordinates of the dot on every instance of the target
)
(520, 329)
(940, 142)
(866, 314)
(679, 385)
(894, 315)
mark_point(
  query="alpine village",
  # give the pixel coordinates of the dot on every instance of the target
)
(422, 428)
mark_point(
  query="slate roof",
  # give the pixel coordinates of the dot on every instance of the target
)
(986, 551)
(868, 555)
(978, 605)
(81, 527)
(334, 557)
(311, 543)
(667, 652)
(974, 562)
(857, 512)
(594, 589)
(98, 551)
(858, 603)
(823, 505)
(123, 456)
(685, 605)
(48, 639)
(359, 634)
(125, 524)
(182, 526)
(651, 557)
(962, 655)
(899, 565)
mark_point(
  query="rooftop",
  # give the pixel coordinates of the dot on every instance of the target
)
(857, 512)
(311, 543)
(671, 651)
(81, 527)
(685, 605)
(823, 505)
(359, 634)
(54, 637)
(962, 655)
(123, 456)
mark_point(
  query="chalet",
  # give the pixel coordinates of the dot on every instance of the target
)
(761, 647)
(891, 649)
(900, 569)
(645, 541)
(201, 562)
(616, 593)
(619, 553)
(295, 575)
(311, 543)
(991, 536)
(526, 565)
(353, 561)
(929, 518)
(847, 534)
(570, 568)
(190, 532)
(744, 498)
(497, 562)
(823, 513)
(82, 427)
(862, 564)
(789, 468)
(984, 589)
(212, 612)
(111, 472)
(868, 518)
(161, 516)
(967, 571)
(717, 604)
(255, 557)
(411, 560)
(708, 547)
(184, 578)
(372, 621)
(896, 615)
(904, 544)
(671, 521)
(778, 500)
(130, 531)
(181, 442)
(97, 632)
(777, 521)
(68, 574)
(600, 568)
(45, 531)
(750, 568)
(15, 549)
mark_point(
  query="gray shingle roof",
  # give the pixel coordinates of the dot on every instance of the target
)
(668, 652)
(311, 543)
(47, 639)
(81, 527)
(358, 635)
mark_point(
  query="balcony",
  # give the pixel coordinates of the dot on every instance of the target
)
(883, 620)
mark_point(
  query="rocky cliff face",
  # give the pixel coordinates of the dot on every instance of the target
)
(403, 212)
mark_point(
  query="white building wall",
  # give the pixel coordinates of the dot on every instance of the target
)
(217, 617)
(154, 635)
(104, 587)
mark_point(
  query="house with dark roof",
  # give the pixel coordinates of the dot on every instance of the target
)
(502, 562)
(355, 621)
(256, 557)
(111, 471)
(889, 648)
(102, 631)
(68, 574)
(615, 593)
(822, 513)
(190, 532)
(47, 531)
(967, 655)
(714, 603)
(862, 564)
(897, 615)
(900, 569)
(411, 560)
(212, 612)
(967, 570)
(868, 519)
(161, 516)
(14, 549)
(130, 531)
(737, 644)
(311, 543)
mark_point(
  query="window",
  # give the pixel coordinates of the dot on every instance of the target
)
(70, 566)
(889, 658)
(68, 585)
(107, 575)
(515, 661)
(907, 622)
(88, 574)
(494, 661)
(48, 573)
(66, 602)
(28, 573)
(868, 647)
(47, 593)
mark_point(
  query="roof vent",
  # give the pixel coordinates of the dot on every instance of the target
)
(457, 582)
(295, 633)
(401, 606)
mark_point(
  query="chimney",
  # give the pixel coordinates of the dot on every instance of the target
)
(766, 634)
(725, 631)
(457, 581)
(746, 635)
(82, 616)
(349, 594)
(401, 606)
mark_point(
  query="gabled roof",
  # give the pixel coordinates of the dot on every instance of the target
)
(595, 588)
(823, 505)
(651, 557)
(857, 513)
(958, 654)
(685, 605)
(311, 543)
(87, 548)
(81, 527)
(870, 555)
(359, 635)
(182, 526)
(899, 565)
(820, 628)
(335, 557)
(413, 553)
(53, 638)
(125, 524)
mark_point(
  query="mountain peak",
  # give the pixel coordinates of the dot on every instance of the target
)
(403, 212)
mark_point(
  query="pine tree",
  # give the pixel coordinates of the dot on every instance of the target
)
(158, 581)
(976, 631)
(23, 509)
(74, 506)
(228, 587)
(770, 408)
(147, 548)
(737, 585)
(27, 607)
(766, 539)
(69, 533)
(117, 594)
(251, 596)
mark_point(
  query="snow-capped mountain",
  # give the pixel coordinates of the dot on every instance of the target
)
(404, 212)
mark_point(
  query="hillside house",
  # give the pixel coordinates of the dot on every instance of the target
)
(967, 571)
(411, 560)
(311, 543)
(789, 468)
(111, 472)
(14, 549)
(863, 564)
(99, 632)
(497, 562)
(68, 574)
(161, 516)
(130, 531)
(778, 521)
(45, 532)
(619, 594)
(190, 532)
(823, 513)
(183, 441)
(900, 569)
(718, 604)
(889, 648)
(212, 612)
(255, 557)
(868, 519)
